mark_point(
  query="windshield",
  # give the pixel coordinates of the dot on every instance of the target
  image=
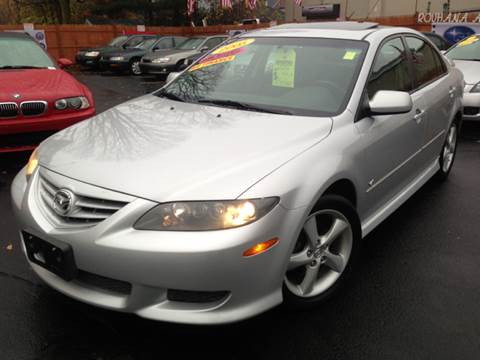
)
(468, 49)
(22, 52)
(311, 77)
(192, 43)
(147, 44)
(118, 41)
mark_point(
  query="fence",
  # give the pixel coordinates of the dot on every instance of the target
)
(66, 40)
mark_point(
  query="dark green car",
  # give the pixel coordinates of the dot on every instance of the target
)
(129, 59)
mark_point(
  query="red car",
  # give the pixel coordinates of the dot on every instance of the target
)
(37, 98)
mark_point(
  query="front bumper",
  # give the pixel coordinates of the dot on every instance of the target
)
(114, 65)
(24, 133)
(156, 263)
(157, 69)
(471, 105)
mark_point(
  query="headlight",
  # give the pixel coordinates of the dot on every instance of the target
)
(205, 215)
(161, 60)
(32, 164)
(117, 58)
(92, 53)
(75, 103)
(476, 88)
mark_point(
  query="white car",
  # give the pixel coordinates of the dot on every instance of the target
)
(466, 56)
(248, 180)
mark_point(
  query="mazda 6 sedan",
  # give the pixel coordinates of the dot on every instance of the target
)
(247, 181)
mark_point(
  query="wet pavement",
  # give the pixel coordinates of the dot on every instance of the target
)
(415, 295)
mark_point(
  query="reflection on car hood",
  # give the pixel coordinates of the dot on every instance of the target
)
(38, 84)
(164, 150)
(176, 53)
(470, 69)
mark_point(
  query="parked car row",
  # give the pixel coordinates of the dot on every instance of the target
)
(250, 178)
(147, 54)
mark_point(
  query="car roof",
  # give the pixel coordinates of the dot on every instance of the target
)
(348, 30)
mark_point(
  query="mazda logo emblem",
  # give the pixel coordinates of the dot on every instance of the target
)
(63, 202)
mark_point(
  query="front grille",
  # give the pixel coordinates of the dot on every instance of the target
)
(8, 110)
(196, 296)
(470, 110)
(33, 108)
(102, 283)
(85, 211)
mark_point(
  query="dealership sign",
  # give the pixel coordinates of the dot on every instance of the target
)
(453, 33)
(438, 17)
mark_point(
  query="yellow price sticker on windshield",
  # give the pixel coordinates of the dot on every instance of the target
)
(283, 72)
(212, 62)
(350, 55)
(233, 46)
(469, 41)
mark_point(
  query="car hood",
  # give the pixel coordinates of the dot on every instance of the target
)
(173, 53)
(164, 150)
(38, 84)
(470, 70)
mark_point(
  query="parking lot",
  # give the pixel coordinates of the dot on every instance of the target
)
(415, 295)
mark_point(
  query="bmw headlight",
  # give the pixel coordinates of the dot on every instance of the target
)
(162, 60)
(74, 103)
(117, 58)
(92, 53)
(205, 215)
(476, 88)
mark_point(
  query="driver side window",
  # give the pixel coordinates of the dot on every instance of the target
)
(390, 69)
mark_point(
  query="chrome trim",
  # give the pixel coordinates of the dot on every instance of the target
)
(405, 162)
(34, 102)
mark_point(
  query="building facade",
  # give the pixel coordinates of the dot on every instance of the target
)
(364, 9)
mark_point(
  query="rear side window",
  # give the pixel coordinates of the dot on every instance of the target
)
(390, 69)
(427, 64)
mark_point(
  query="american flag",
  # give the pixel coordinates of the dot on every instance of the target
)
(190, 7)
(251, 4)
(299, 2)
(226, 4)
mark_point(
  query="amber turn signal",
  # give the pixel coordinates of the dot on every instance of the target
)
(260, 247)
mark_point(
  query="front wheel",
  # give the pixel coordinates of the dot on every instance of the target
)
(449, 150)
(324, 253)
(135, 67)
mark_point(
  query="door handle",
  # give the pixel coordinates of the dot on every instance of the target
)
(452, 91)
(418, 117)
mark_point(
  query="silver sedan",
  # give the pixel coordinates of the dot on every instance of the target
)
(247, 181)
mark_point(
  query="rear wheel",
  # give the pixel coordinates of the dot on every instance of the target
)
(449, 150)
(324, 254)
(135, 67)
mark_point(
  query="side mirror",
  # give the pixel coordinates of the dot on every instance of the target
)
(172, 76)
(63, 63)
(387, 102)
(204, 49)
(156, 48)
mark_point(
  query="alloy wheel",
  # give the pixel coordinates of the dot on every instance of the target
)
(135, 67)
(449, 149)
(320, 255)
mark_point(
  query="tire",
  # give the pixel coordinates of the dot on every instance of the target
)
(345, 242)
(135, 67)
(448, 152)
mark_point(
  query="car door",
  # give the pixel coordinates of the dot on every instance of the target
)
(391, 143)
(438, 89)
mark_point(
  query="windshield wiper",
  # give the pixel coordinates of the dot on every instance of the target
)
(170, 96)
(21, 67)
(243, 106)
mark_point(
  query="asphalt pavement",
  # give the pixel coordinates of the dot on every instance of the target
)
(415, 295)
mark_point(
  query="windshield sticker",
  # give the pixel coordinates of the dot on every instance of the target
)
(283, 72)
(469, 41)
(350, 55)
(233, 46)
(216, 61)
